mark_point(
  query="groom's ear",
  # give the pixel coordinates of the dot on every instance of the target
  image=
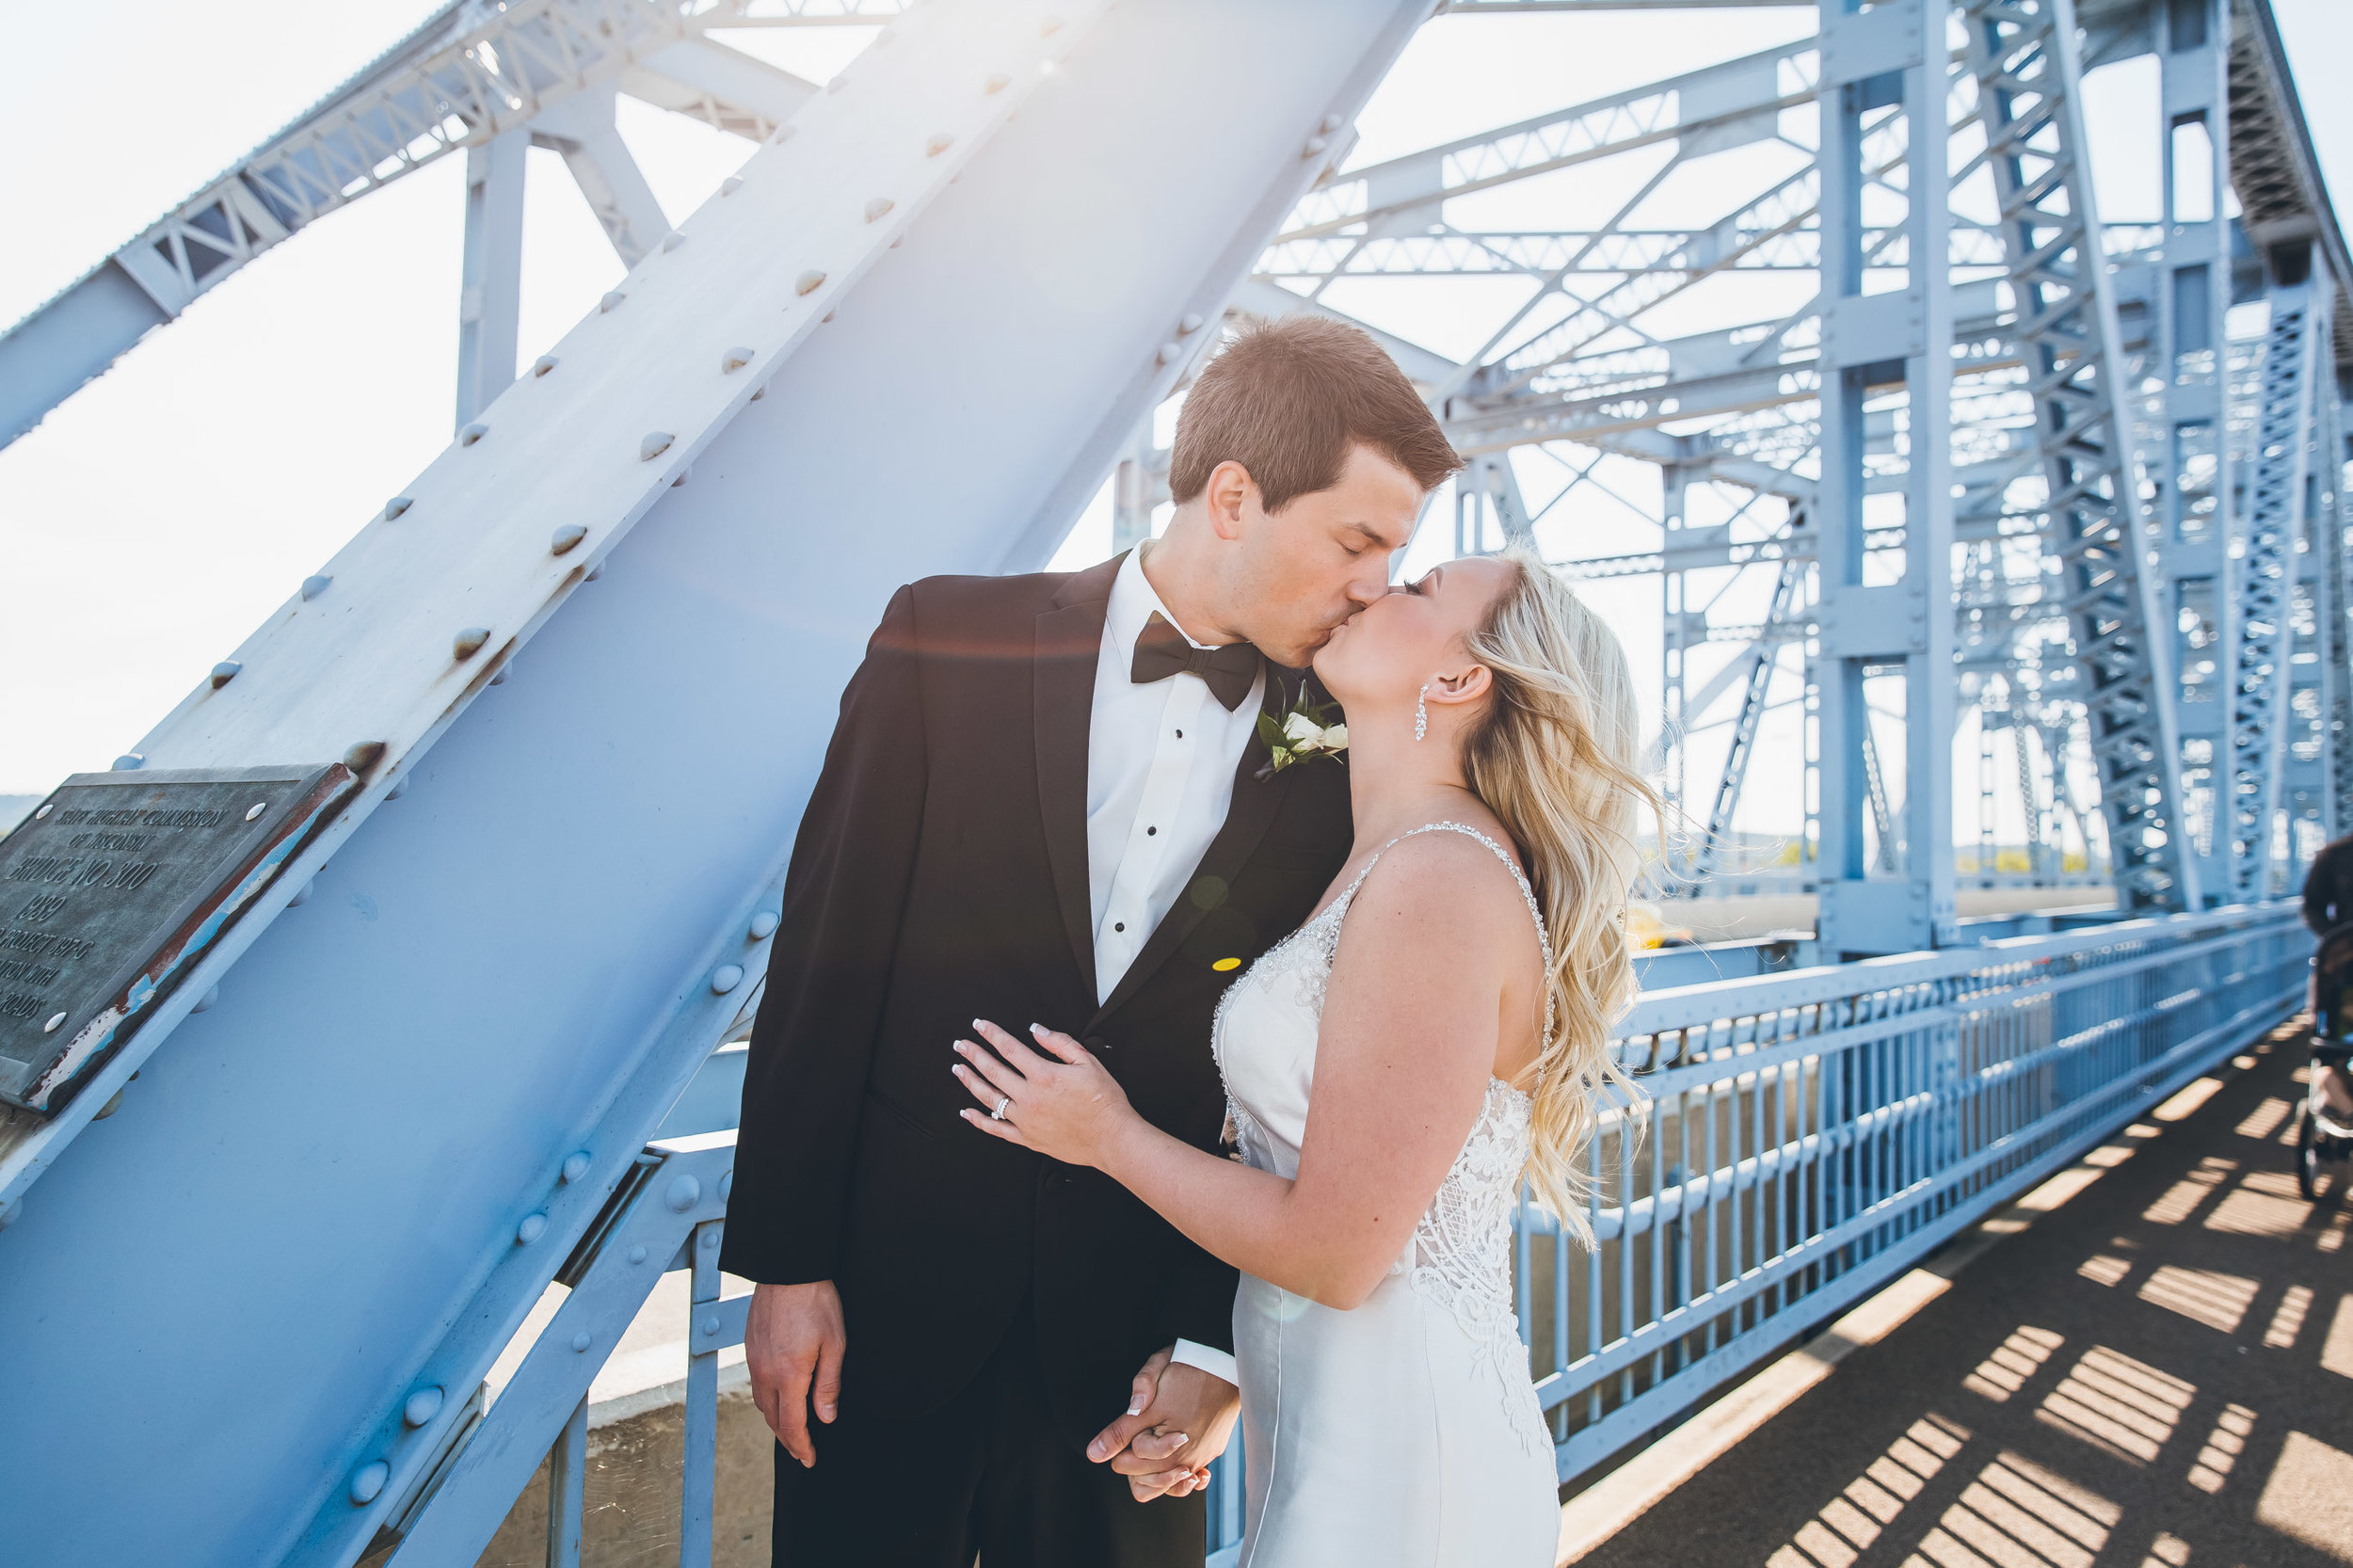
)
(1227, 496)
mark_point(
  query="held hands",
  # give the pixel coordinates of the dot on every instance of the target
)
(1064, 1105)
(1179, 1419)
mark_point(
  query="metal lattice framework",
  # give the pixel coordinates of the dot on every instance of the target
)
(1929, 443)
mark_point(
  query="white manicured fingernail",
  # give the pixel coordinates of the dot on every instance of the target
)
(1136, 1408)
(1037, 1028)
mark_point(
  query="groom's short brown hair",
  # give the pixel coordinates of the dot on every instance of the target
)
(1286, 399)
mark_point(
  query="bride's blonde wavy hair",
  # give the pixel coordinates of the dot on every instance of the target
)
(1556, 756)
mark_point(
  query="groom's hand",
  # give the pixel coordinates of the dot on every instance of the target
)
(792, 1345)
(1179, 1419)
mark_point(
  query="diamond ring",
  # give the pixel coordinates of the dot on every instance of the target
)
(999, 1114)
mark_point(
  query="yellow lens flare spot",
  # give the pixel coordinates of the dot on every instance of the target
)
(1224, 964)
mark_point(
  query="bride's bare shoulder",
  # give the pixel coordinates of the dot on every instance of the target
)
(1444, 886)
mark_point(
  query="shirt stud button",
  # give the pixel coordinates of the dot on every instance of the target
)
(1119, 925)
(1149, 831)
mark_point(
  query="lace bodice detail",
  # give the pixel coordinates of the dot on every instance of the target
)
(1460, 1257)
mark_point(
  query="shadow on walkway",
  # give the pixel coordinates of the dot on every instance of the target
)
(2157, 1374)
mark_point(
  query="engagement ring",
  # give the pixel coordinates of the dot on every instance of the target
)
(999, 1114)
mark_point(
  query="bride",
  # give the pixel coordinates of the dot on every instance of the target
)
(1435, 1034)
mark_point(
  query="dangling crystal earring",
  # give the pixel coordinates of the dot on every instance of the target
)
(1421, 714)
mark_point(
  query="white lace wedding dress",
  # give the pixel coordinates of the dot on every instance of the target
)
(1405, 1431)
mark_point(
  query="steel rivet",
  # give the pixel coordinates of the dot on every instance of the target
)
(1190, 325)
(472, 434)
(575, 1166)
(313, 586)
(654, 445)
(397, 790)
(225, 672)
(362, 755)
(400, 504)
(541, 365)
(594, 573)
(764, 925)
(51, 1027)
(758, 395)
(500, 679)
(580, 1343)
(1168, 354)
(533, 1228)
(1331, 123)
(734, 360)
(562, 540)
(130, 761)
(683, 475)
(114, 1103)
(469, 641)
(1315, 145)
(711, 1236)
(940, 141)
(784, 134)
(730, 185)
(42, 812)
(204, 1003)
(684, 1193)
(369, 1479)
(808, 282)
(637, 1254)
(877, 207)
(996, 81)
(710, 1326)
(672, 240)
(422, 1406)
(302, 894)
(610, 301)
(726, 978)
(826, 317)
(256, 810)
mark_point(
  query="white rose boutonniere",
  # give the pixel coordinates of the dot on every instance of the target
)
(1306, 730)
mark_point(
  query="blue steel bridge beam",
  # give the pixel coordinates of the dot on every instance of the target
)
(470, 74)
(357, 1165)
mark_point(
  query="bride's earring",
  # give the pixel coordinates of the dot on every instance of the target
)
(1421, 714)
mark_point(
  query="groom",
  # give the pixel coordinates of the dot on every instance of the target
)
(1046, 800)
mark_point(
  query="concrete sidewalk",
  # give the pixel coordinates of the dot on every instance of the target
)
(2157, 1373)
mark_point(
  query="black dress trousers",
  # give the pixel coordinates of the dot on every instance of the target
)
(988, 1475)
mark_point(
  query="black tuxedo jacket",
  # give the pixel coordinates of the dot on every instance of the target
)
(940, 874)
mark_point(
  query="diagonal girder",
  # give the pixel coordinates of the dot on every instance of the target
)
(2023, 54)
(2261, 578)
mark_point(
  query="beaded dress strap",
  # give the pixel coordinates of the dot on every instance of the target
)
(1528, 895)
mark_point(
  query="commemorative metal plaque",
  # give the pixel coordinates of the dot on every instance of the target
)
(117, 883)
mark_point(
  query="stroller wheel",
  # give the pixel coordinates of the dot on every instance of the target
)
(2307, 1156)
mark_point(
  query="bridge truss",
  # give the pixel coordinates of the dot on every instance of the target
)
(1929, 449)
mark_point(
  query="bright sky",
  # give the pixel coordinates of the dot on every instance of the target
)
(159, 514)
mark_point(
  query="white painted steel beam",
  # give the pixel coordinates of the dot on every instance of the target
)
(490, 293)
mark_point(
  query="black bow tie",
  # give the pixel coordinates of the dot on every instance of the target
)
(1162, 651)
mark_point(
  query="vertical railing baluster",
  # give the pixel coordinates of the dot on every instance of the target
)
(699, 1486)
(568, 1476)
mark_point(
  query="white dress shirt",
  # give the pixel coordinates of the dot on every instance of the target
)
(1160, 762)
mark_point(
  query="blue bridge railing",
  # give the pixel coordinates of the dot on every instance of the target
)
(1805, 1138)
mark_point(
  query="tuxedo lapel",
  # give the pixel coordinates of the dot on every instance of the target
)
(1069, 645)
(1252, 811)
